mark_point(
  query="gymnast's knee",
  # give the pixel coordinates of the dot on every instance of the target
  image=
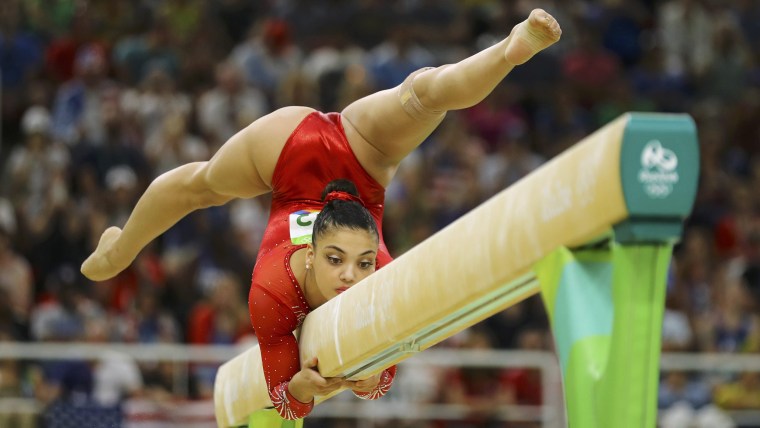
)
(411, 103)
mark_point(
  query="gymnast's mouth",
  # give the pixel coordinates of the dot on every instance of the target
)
(341, 289)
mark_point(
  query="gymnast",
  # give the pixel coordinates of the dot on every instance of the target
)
(337, 164)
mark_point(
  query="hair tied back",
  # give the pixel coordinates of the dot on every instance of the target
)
(343, 196)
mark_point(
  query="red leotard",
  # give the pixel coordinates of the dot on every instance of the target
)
(316, 153)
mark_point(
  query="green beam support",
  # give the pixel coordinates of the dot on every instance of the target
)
(269, 418)
(606, 308)
(606, 301)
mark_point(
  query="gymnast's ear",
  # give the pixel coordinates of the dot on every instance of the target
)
(309, 255)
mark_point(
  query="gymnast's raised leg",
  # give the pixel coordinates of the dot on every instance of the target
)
(386, 126)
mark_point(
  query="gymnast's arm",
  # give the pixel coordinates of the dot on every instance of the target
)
(242, 168)
(292, 384)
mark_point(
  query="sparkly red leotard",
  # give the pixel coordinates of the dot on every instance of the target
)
(316, 153)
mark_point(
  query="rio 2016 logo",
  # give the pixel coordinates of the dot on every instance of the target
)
(301, 225)
(658, 172)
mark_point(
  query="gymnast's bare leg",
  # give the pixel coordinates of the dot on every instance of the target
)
(386, 126)
(382, 129)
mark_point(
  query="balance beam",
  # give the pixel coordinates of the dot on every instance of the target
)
(621, 177)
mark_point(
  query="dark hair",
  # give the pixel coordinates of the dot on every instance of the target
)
(340, 213)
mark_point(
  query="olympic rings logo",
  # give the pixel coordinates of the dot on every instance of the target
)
(658, 172)
(656, 156)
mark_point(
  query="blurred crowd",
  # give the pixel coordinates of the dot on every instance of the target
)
(101, 97)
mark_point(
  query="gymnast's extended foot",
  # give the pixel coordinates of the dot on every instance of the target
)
(531, 36)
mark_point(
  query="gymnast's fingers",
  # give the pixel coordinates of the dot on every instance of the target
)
(309, 363)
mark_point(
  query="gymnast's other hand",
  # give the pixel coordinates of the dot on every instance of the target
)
(308, 383)
(104, 262)
(364, 385)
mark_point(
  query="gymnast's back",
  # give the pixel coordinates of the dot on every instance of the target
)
(316, 153)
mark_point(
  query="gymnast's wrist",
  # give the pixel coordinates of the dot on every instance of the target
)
(298, 394)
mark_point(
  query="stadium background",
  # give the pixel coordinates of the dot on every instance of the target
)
(100, 97)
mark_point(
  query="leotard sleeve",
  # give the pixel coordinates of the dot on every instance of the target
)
(386, 380)
(274, 323)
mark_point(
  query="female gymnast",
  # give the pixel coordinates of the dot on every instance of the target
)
(297, 153)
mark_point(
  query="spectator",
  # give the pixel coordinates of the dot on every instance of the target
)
(561, 122)
(623, 28)
(62, 318)
(725, 77)
(62, 314)
(11, 327)
(229, 106)
(159, 381)
(524, 384)
(511, 161)
(397, 57)
(122, 144)
(481, 390)
(115, 376)
(222, 319)
(590, 68)
(155, 99)
(77, 116)
(685, 30)
(497, 116)
(356, 84)
(651, 79)
(182, 17)
(235, 16)
(122, 185)
(173, 145)
(735, 327)
(741, 394)
(33, 166)
(149, 322)
(438, 27)
(49, 19)
(65, 47)
(36, 184)
(16, 285)
(136, 55)
(297, 88)
(19, 413)
(248, 221)
(20, 61)
(620, 100)
(336, 67)
(747, 14)
(682, 387)
(694, 264)
(267, 56)
(677, 334)
(681, 415)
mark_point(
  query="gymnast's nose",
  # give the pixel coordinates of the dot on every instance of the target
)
(347, 275)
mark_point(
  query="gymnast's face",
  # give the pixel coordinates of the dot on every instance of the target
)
(341, 258)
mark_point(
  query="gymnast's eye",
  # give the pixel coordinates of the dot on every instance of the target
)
(333, 260)
(366, 264)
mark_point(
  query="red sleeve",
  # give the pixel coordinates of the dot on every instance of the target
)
(274, 323)
(386, 380)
